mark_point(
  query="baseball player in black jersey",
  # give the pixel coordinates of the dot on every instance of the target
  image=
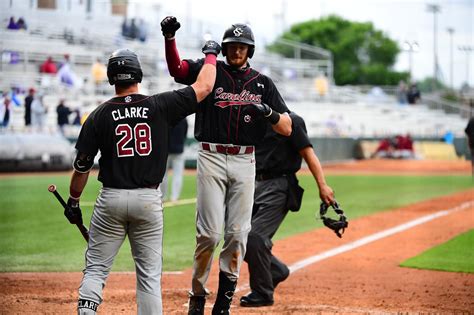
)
(278, 159)
(131, 132)
(229, 122)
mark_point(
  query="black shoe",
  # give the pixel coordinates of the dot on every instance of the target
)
(276, 281)
(196, 305)
(253, 299)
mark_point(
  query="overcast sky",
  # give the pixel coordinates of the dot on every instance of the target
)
(401, 20)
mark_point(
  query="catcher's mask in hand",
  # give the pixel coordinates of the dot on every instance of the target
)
(335, 225)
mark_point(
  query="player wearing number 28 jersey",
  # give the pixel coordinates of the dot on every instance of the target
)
(131, 133)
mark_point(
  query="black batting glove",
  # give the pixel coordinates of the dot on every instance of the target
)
(169, 26)
(268, 113)
(211, 47)
(72, 212)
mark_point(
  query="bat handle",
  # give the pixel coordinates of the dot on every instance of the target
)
(84, 231)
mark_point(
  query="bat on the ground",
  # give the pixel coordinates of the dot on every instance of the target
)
(81, 227)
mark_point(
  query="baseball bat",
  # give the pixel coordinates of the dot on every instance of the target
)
(81, 227)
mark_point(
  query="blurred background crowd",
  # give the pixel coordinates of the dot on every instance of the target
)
(340, 74)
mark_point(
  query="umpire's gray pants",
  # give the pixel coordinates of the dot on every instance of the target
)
(137, 213)
(224, 203)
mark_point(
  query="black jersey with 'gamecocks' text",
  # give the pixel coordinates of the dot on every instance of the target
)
(131, 133)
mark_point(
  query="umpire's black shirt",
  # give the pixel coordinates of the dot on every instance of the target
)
(278, 154)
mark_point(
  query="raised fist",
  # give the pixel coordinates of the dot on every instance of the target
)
(211, 47)
(169, 26)
(72, 212)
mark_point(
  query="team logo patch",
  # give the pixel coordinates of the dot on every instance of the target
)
(247, 118)
(238, 31)
(128, 99)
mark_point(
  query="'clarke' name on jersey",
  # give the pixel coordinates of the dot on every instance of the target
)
(132, 112)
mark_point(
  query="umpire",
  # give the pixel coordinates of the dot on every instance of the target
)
(276, 192)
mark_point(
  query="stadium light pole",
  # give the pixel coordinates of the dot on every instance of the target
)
(467, 49)
(451, 32)
(410, 47)
(435, 9)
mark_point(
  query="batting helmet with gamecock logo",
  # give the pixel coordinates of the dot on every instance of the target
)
(239, 33)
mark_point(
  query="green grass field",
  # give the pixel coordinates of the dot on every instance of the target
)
(455, 255)
(35, 236)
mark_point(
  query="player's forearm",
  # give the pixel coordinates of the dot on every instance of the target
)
(283, 126)
(206, 78)
(176, 67)
(78, 182)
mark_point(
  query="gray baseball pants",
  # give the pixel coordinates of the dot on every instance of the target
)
(137, 213)
(225, 189)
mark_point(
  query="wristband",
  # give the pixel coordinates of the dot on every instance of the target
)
(210, 59)
(74, 194)
(274, 117)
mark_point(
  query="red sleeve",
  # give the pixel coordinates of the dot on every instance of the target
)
(176, 67)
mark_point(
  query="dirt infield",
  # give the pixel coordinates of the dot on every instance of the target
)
(365, 279)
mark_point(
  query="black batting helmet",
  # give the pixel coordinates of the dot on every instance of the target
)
(239, 33)
(124, 67)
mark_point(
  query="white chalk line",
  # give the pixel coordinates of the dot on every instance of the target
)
(369, 239)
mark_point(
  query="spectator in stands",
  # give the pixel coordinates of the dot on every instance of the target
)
(22, 24)
(77, 118)
(413, 94)
(38, 113)
(12, 25)
(142, 31)
(133, 34)
(63, 113)
(385, 149)
(322, 85)
(402, 92)
(99, 74)
(66, 75)
(176, 161)
(404, 147)
(49, 66)
(125, 28)
(6, 107)
(28, 100)
(470, 141)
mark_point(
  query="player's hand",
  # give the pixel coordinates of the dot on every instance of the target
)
(267, 112)
(169, 26)
(73, 212)
(263, 109)
(211, 47)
